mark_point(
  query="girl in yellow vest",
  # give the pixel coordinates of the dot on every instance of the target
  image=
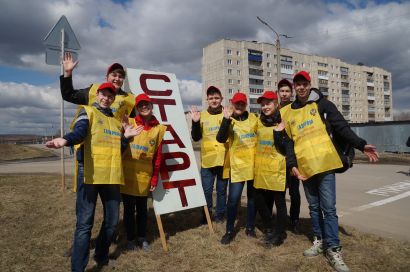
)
(205, 126)
(141, 164)
(240, 127)
(99, 173)
(270, 169)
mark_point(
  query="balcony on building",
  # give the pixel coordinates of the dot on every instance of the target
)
(372, 117)
(286, 65)
(323, 83)
(370, 79)
(324, 91)
(255, 58)
(346, 111)
(371, 108)
(255, 90)
(323, 74)
(256, 73)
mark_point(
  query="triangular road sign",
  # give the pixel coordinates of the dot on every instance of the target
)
(53, 38)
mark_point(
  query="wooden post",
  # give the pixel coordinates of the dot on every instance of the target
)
(161, 232)
(208, 219)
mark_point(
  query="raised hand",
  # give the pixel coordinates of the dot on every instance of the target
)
(227, 112)
(297, 174)
(124, 122)
(56, 143)
(132, 131)
(152, 188)
(69, 64)
(370, 152)
(195, 114)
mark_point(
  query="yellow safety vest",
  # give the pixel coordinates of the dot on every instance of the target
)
(314, 150)
(212, 152)
(102, 149)
(270, 165)
(284, 110)
(122, 105)
(138, 158)
(242, 141)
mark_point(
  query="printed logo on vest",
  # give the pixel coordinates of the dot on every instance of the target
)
(152, 142)
(100, 121)
(313, 112)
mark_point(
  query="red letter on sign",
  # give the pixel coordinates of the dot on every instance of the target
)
(161, 104)
(143, 81)
(180, 184)
(176, 139)
(165, 168)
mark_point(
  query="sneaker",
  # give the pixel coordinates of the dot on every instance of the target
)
(316, 249)
(294, 226)
(250, 232)
(227, 238)
(276, 240)
(143, 243)
(268, 235)
(131, 246)
(334, 256)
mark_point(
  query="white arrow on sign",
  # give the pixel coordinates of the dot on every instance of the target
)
(53, 38)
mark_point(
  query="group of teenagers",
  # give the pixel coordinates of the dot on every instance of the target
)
(118, 144)
(291, 140)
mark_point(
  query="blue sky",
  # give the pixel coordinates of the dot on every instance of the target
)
(169, 36)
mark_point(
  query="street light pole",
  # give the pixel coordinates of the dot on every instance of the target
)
(277, 42)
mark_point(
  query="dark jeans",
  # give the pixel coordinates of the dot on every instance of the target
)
(320, 191)
(134, 220)
(234, 197)
(263, 200)
(85, 209)
(293, 184)
(208, 176)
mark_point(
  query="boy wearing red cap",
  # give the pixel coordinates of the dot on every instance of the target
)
(205, 126)
(141, 164)
(270, 169)
(312, 124)
(99, 173)
(239, 126)
(124, 102)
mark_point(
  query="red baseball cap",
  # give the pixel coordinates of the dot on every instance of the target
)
(302, 74)
(115, 66)
(239, 97)
(142, 97)
(107, 86)
(271, 95)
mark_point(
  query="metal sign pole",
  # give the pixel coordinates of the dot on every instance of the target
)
(62, 115)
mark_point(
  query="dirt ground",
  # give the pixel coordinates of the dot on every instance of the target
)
(37, 223)
(11, 152)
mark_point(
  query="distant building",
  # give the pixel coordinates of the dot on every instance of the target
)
(361, 93)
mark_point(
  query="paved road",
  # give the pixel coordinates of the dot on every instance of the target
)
(372, 198)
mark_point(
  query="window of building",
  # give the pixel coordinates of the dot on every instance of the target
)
(267, 55)
(230, 91)
(269, 74)
(322, 64)
(239, 81)
(269, 83)
(238, 72)
(230, 81)
(268, 64)
(229, 52)
(238, 62)
(229, 61)
(229, 71)
(238, 53)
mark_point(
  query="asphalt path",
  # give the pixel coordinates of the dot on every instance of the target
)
(372, 198)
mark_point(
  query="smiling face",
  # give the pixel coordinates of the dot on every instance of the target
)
(268, 106)
(144, 109)
(302, 89)
(214, 100)
(105, 98)
(116, 78)
(238, 108)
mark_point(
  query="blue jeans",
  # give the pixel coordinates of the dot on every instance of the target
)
(234, 197)
(208, 176)
(85, 209)
(320, 193)
(135, 216)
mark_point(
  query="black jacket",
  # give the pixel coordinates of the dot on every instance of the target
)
(334, 121)
(224, 129)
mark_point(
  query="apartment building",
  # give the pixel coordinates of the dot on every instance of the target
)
(361, 93)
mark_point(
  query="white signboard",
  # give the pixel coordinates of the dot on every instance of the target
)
(179, 187)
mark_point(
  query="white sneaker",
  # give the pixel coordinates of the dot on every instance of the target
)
(315, 249)
(143, 243)
(334, 256)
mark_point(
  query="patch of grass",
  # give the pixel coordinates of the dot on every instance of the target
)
(37, 224)
(10, 152)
